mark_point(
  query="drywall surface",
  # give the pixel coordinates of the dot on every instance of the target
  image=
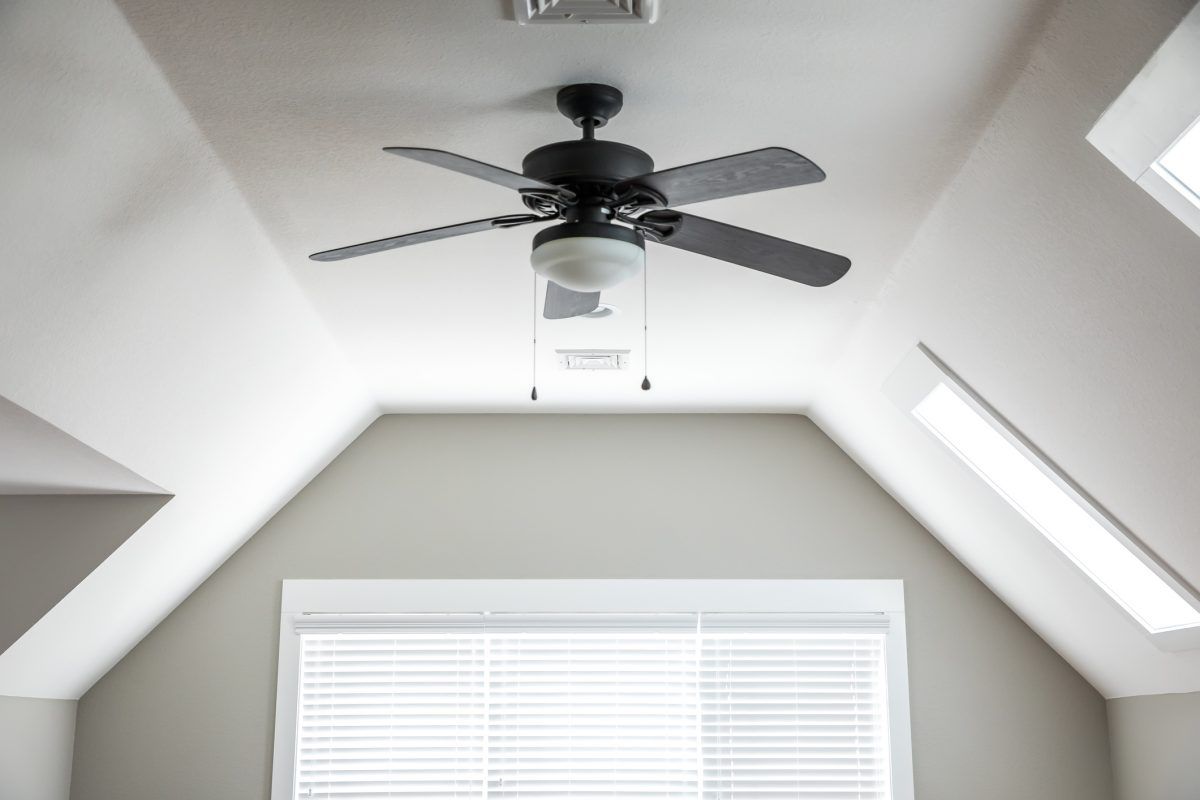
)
(35, 748)
(144, 314)
(41, 459)
(1156, 746)
(189, 712)
(50, 542)
(1065, 295)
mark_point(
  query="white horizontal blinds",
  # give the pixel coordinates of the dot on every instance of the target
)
(579, 715)
(391, 716)
(728, 707)
(794, 715)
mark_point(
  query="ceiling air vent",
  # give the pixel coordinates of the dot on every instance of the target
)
(592, 359)
(596, 12)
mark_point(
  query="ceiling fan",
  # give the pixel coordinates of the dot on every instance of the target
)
(608, 200)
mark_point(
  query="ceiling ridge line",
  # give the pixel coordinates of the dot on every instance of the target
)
(245, 208)
(1010, 77)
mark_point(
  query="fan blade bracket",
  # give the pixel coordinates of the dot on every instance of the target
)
(560, 196)
(635, 197)
(514, 220)
(659, 225)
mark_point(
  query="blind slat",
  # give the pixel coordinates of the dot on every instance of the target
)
(588, 709)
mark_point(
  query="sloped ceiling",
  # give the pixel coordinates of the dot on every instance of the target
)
(144, 313)
(178, 160)
(41, 459)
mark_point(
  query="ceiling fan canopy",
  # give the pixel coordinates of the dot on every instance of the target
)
(607, 200)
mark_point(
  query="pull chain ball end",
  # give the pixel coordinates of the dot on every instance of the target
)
(645, 384)
(533, 394)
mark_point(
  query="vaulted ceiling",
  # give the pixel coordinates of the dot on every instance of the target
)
(175, 162)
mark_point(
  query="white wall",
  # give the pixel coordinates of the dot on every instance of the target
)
(36, 737)
(189, 712)
(1156, 746)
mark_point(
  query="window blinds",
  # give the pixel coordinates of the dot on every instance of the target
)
(657, 707)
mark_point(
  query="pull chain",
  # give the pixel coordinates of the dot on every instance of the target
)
(645, 336)
(533, 394)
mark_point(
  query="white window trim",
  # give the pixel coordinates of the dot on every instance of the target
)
(825, 597)
(1157, 107)
(921, 371)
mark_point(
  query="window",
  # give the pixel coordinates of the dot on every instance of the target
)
(1044, 497)
(1181, 164)
(1151, 133)
(615, 704)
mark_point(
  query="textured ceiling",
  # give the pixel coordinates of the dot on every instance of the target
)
(179, 160)
(297, 98)
(41, 459)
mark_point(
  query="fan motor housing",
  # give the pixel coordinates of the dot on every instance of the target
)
(586, 161)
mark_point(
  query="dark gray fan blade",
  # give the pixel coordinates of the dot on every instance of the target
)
(796, 262)
(478, 169)
(566, 303)
(431, 235)
(745, 173)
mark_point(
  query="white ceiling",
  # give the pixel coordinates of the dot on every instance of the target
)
(297, 98)
(168, 316)
(41, 459)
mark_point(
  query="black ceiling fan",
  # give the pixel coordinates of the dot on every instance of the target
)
(608, 199)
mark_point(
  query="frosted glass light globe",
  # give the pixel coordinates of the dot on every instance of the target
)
(586, 263)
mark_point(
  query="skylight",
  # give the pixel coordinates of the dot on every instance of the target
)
(1066, 519)
(1181, 163)
(1151, 131)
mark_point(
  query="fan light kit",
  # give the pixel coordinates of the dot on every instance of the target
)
(606, 200)
(588, 256)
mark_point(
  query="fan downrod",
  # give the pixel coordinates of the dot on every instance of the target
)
(589, 105)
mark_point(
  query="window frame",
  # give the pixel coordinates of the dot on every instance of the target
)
(827, 598)
(921, 371)
(1154, 111)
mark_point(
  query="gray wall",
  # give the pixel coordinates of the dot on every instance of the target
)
(35, 748)
(1156, 746)
(189, 712)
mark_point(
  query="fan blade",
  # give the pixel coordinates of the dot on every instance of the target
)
(431, 235)
(745, 173)
(796, 262)
(566, 303)
(478, 169)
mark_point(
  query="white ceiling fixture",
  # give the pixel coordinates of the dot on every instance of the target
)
(1168, 609)
(583, 12)
(1181, 164)
(1152, 130)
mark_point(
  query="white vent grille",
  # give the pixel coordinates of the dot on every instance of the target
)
(574, 12)
(593, 359)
